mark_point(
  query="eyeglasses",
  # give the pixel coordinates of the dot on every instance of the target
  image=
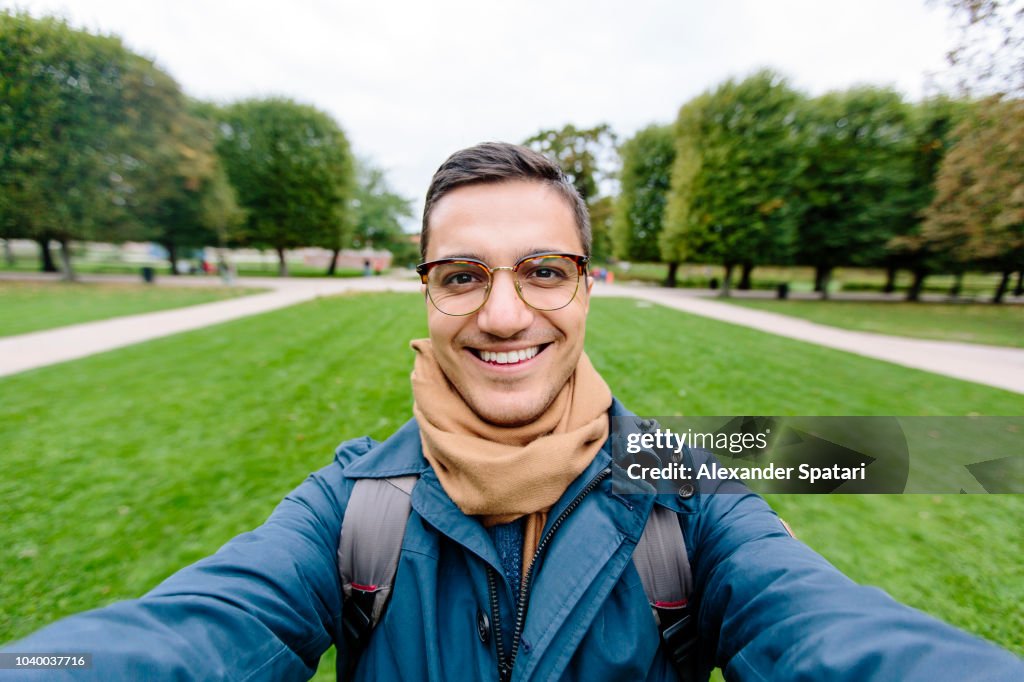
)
(544, 281)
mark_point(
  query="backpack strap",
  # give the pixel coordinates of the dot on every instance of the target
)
(368, 551)
(371, 542)
(664, 567)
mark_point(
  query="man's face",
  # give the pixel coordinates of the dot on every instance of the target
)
(499, 223)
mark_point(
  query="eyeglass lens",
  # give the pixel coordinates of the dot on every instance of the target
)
(544, 283)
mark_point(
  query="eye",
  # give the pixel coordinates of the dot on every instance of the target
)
(462, 278)
(547, 272)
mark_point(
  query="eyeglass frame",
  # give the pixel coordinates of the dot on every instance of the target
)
(423, 270)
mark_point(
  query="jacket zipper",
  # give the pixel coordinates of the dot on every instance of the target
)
(505, 663)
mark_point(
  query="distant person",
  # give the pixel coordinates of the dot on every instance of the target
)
(367, 270)
(226, 271)
(514, 558)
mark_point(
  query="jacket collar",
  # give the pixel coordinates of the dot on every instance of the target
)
(400, 455)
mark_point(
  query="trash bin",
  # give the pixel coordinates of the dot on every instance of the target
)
(148, 274)
(783, 290)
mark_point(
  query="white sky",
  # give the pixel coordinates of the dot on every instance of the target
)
(411, 82)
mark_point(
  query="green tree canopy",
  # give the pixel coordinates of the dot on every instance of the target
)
(932, 122)
(292, 169)
(730, 199)
(97, 142)
(644, 183)
(856, 184)
(182, 198)
(64, 131)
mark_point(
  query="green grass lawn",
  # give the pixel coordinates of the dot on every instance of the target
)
(1000, 325)
(122, 467)
(32, 306)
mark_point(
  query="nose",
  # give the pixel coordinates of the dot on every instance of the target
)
(504, 314)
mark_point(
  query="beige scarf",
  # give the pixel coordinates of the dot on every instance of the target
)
(503, 473)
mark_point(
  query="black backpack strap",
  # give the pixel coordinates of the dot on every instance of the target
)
(664, 567)
(368, 551)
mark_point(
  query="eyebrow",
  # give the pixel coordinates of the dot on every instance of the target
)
(520, 255)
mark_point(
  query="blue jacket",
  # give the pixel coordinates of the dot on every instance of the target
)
(267, 605)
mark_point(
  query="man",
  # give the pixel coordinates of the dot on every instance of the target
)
(517, 556)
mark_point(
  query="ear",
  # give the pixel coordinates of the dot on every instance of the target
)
(588, 287)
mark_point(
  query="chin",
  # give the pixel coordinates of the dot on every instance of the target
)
(509, 413)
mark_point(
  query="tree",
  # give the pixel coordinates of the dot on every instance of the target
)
(292, 169)
(644, 183)
(379, 212)
(97, 141)
(856, 174)
(933, 122)
(735, 152)
(682, 209)
(589, 159)
(176, 176)
(63, 132)
(989, 60)
(978, 209)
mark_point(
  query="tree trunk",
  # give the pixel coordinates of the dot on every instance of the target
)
(1019, 289)
(958, 283)
(673, 269)
(8, 253)
(1004, 284)
(890, 281)
(744, 284)
(46, 263)
(334, 262)
(172, 257)
(914, 292)
(727, 281)
(65, 261)
(822, 277)
(282, 264)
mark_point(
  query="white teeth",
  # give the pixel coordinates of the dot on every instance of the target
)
(509, 357)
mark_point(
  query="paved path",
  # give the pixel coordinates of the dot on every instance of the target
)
(990, 365)
(37, 349)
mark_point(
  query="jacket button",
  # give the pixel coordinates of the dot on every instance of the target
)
(483, 626)
(686, 491)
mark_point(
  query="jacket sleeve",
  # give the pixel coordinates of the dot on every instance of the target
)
(773, 609)
(264, 607)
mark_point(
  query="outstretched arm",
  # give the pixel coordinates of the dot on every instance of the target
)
(774, 609)
(265, 606)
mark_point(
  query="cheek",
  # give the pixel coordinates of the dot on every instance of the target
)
(572, 323)
(442, 328)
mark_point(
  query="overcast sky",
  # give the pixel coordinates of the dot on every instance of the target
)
(411, 82)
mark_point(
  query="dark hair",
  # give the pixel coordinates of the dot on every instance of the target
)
(493, 162)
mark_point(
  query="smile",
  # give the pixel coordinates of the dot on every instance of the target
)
(511, 357)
